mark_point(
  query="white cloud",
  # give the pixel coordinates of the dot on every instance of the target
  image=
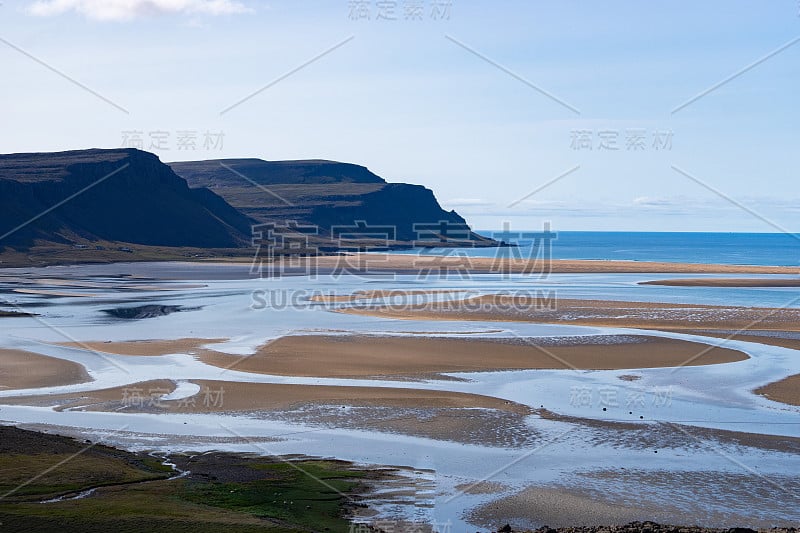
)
(129, 9)
(648, 201)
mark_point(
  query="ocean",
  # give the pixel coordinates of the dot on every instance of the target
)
(723, 248)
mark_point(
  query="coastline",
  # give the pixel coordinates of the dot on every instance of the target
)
(593, 313)
(425, 386)
(409, 263)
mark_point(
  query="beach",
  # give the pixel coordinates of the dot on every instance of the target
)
(598, 313)
(25, 370)
(784, 391)
(460, 377)
(511, 263)
(395, 357)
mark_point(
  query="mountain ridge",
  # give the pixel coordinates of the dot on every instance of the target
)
(109, 195)
(100, 198)
(326, 194)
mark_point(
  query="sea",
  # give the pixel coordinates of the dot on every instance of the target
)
(779, 249)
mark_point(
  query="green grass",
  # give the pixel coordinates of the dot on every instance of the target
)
(47, 475)
(309, 494)
(134, 491)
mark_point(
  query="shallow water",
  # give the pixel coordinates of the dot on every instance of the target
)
(717, 397)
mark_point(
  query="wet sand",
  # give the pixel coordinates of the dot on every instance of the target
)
(61, 294)
(476, 265)
(60, 286)
(724, 282)
(629, 431)
(140, 394)
(145, 348)
(240, 396)
(233, 396)
(617, 497)
(600, 313)
(440, 415)
(556, 508)
(240, 268)
(784, 391)
(25, 370)
(383, 356)
(482, 487)
(784, 339)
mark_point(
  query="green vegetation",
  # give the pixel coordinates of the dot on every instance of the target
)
(32, 477)
(306, 493)
(134, 492)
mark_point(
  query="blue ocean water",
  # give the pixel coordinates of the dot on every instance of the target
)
(723, 248)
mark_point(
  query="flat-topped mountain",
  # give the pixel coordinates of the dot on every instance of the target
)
(311, 171)
(123, 195)
(326, 194)
(109, 199)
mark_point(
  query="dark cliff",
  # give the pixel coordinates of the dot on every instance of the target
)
(78, 198)
(121, 195)
(326, 194)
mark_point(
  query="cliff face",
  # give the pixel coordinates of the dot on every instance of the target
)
(326, 194)
(129, 196)
(111, 195)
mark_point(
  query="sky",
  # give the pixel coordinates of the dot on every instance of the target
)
(607, 116)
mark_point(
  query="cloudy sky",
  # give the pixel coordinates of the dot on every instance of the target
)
(620, 115)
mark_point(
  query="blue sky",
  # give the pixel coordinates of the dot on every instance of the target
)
(484, 102)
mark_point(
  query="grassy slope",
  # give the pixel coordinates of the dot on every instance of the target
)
(134, 492)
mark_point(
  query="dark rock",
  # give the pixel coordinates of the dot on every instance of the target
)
(130, 197)
(122, 195)
(145, 311)
(320, 193)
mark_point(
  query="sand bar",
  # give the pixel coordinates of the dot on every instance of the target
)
(784, 339)
(600, 313)
(477, 265)
(141, 394)
(440, 415)
(144, 348)
(726, 282)
(62, 294)
(25, 370)
(784, 391)
(384, 356)
(240, 396)
(616, 497)
(232, 396)
(420, 357)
